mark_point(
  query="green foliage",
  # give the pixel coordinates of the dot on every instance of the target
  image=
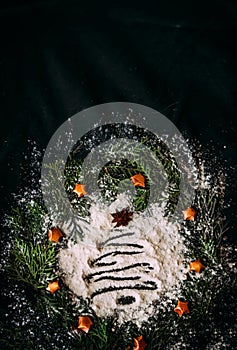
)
(117, 175)
(59, 306)
(104, 335)
(33, 261)
(205, 234)
(33, 264)
(157, 331)
(210, 221)
(26, 220)
(12, 338)
(98, 337)
(112, 178)
(72, 174)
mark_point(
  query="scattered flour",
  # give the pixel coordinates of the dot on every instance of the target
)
(123, 270)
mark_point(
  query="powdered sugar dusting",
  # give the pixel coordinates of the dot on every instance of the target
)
(138, 262)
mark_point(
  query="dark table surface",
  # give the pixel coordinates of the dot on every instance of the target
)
(59, 57)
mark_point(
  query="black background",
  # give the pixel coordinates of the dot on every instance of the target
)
(59, 57)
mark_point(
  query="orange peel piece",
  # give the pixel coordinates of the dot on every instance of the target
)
(84, 323)
(196, 266)
(182, 308)
(54, 234)
(139, 343)
(53, 287)
(79, 189)
(138, 180)
(189, 214)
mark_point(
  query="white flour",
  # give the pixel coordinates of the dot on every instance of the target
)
(140, 261)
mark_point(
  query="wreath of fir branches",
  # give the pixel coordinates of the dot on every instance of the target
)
(38, 319)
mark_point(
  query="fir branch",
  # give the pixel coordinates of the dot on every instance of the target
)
(59, 306)
(11, 338)
(26, 220)
(32, 264)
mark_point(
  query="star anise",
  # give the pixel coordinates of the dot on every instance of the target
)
(122, 218)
